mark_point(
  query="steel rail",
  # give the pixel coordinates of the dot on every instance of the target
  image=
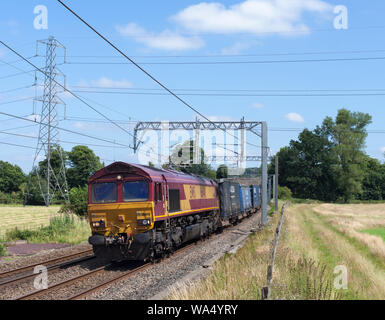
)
(51, 269)
(128, 274)
(47, 262)
(96, 288)
(61, 284)
(108, 283)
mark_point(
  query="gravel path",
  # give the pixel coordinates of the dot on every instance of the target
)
(158, 277)
(32, 248)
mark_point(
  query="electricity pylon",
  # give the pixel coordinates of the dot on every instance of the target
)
(54, 176)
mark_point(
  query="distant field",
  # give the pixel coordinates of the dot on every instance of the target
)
(25, 217)
(315, 239)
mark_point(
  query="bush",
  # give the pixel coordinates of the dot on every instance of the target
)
(3, 250)
(11, 198)
(78, 202)
(284, 193)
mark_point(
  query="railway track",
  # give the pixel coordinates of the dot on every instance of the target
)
(93, 273)
(81, 289)
(47, 263)
(52, 269)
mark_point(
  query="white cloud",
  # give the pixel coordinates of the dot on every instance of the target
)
(258, 105)
(382, 149)
(295, 117)
(109, 83)
(165, 40)
(251, 16)
(236, 48)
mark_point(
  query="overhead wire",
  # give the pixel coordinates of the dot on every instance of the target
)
(236, 94)
(234, 55)
(69, 91)
(63, 129)
(227, 62)
(141, 69)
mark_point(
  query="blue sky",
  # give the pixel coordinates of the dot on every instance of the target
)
(195, 31)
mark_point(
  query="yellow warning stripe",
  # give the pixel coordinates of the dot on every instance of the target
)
(187, 211)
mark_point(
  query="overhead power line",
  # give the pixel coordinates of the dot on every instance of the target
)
(233, 55)
(225, 90)
(17, 89)
(16, 74)
(66, 130)
(141, 69)
(18, 100)
(229, 62)
(17, 145)
(15, 61)
(62, 141)
(60, 85)
(236, 94)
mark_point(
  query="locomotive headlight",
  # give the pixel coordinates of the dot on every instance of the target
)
(143, 222)
(99, 224)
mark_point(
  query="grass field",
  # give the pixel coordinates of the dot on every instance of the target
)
(30, 217)
(316, 238)
(380, 232)
(41, 225)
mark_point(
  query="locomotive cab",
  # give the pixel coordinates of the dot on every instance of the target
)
(121, 208)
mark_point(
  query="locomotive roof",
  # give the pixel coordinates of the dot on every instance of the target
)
(150, 172)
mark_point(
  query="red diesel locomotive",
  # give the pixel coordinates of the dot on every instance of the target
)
(138, 212)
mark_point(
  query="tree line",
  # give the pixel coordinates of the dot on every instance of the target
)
(18, 187)
(330, 164)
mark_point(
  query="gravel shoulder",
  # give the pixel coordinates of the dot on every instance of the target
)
(44, 253)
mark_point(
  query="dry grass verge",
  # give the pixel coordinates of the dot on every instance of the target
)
(310, 248)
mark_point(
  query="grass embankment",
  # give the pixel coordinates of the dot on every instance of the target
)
(3, 250)
(62, 229)
(38, 224)
(312, 244)
(29, 217)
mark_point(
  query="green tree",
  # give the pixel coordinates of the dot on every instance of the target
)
(374, 180)
(11, 177)
(32, 191)
(222, 172)
(57, 153)
(78, 201)
(82, 164)
(348, 134)
(306, 167)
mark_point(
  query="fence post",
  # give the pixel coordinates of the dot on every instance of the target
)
(266, 291)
